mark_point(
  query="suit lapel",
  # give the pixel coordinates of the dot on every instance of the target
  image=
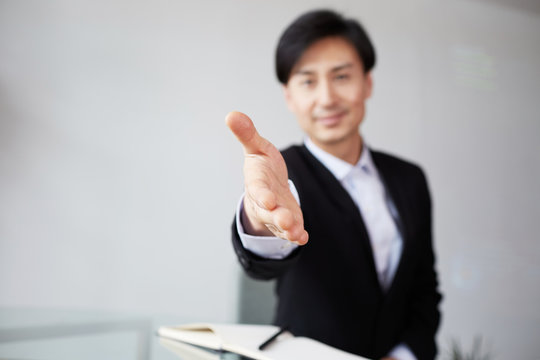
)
(396, 194)
(344, 203)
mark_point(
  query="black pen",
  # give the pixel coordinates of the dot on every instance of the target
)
(273, 337)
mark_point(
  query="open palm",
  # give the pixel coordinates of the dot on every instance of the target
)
(269, 206)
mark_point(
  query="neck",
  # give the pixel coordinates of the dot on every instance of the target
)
(348, 151)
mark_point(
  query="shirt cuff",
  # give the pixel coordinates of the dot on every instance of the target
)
(402, 352)
(269, 247)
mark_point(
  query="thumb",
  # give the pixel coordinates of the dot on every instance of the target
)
(244, 130)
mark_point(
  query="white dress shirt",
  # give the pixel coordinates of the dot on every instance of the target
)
(364, 185)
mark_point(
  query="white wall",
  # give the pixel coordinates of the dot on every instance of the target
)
(118, 178)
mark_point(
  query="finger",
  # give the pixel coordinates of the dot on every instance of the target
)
(280, 222)
(296, 234)
(299, 236)
(284, 218)
(256, 213)
(244, 130)
(262, 197)
(263, 203)
(302, 237)
(291, 227)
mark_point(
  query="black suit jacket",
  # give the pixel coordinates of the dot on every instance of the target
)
(329, 290)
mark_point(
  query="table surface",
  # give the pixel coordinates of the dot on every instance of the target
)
(43, 334)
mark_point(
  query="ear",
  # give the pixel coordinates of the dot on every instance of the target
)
(287, 95)
(369, 84)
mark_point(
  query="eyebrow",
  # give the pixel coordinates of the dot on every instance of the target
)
(334, 69)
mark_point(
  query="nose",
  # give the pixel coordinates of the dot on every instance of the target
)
(326, 94)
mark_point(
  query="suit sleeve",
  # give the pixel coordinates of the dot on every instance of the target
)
(424, 311)
(256, 266)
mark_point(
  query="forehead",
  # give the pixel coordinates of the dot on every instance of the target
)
(327, 53)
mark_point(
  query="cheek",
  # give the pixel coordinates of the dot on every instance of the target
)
(303, 105)
(354, 95)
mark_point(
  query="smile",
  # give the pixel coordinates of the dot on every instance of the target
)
(331, 119)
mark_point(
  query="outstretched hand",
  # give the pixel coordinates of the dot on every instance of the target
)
(269, 206)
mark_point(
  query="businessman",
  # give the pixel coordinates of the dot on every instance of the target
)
(345, 229)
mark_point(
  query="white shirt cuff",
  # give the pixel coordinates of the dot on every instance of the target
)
(402, 352)
(269, 247)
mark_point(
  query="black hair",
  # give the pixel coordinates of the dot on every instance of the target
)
(313, 26)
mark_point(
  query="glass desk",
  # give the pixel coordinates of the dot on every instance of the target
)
(47, 334)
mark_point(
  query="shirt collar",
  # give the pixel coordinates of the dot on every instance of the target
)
(340, 168)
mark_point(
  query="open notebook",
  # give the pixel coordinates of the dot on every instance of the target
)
(245, 340)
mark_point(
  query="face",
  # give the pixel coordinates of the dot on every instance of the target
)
(327, 91)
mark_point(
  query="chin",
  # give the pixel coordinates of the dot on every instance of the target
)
(330, 140)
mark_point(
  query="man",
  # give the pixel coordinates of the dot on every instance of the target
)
(365, 282)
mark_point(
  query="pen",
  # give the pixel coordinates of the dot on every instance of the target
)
(273, 337)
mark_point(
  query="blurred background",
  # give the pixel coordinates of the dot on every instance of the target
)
(119, 178)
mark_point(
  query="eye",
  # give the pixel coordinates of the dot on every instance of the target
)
(307, 82)
(342, 77)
